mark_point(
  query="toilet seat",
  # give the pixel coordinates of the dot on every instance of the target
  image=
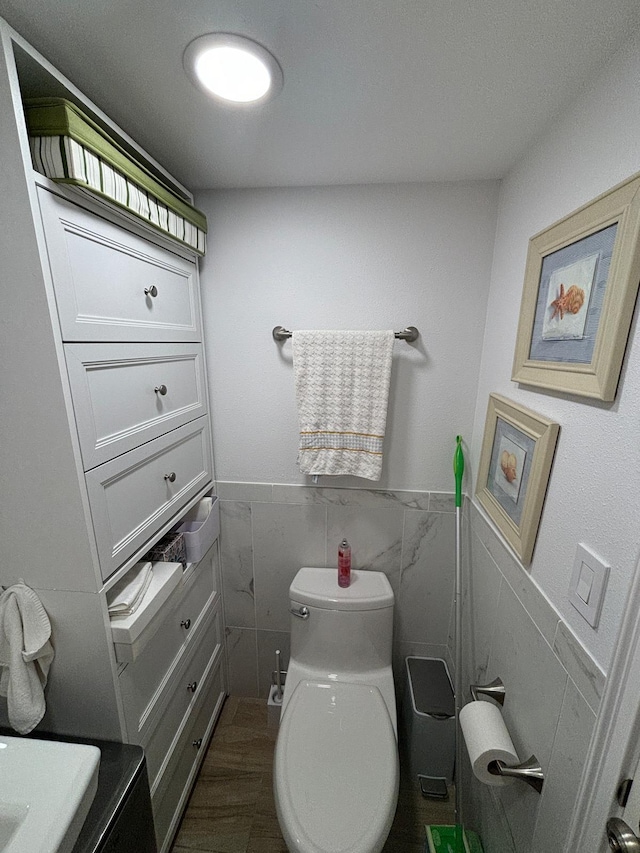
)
(336, 769)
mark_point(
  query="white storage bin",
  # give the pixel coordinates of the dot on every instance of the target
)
(200, 528)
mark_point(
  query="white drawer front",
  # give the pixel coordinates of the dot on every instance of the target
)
(126, 394)
(143, 681)
(101, 272)
(133, 495)
(189, 686)
(169, 795)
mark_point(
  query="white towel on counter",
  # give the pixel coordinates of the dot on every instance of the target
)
(342, 389)
(25, 656)
(126, 595)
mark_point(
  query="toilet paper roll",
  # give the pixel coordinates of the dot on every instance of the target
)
(487, 740)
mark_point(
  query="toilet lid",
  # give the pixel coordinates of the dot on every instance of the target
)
(336, 768)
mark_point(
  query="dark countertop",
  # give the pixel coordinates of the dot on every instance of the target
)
(120, 767)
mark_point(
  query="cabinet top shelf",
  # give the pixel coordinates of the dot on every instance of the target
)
(38, 78)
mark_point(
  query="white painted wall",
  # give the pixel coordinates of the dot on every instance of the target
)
(338, 258)
(593, 495)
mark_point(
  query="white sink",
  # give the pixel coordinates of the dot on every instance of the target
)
(46, 790)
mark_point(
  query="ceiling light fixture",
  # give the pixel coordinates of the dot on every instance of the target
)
(233, 68)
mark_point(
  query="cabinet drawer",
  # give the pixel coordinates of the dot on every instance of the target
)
(104, 279)
(188, 686)
(170, 794)
(133, 495)
(142, 681)
(127, 394)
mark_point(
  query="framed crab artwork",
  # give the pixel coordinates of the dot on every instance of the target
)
(580, 287)
(515, 465)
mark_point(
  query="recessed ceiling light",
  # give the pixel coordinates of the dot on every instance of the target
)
(233, 68)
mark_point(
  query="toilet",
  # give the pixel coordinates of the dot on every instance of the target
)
(336, 770)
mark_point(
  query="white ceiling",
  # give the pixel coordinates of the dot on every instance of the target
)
(374, 91)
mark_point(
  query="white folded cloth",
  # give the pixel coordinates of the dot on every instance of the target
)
(342, 389)
(25, 656)
(126, 595)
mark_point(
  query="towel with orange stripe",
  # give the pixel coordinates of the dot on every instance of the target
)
(342, 390)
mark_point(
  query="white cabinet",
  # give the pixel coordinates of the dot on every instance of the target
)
(127, 394)
(111, 285)
(169, 797)
(178, 704)
(130, 333)
(144, 680)
(135, 494)
(106, 445)
(175, 687)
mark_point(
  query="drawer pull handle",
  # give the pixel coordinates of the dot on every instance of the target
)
(193, 686)
(151, 291)
(186, 624)
(197, 743)
(171, 477)
(160, 389)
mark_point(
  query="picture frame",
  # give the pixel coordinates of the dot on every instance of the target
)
(515, 465)
(580, 286)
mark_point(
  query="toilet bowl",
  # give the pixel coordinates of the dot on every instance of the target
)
(336, 768)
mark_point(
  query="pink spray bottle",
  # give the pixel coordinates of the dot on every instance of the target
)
(344, 564)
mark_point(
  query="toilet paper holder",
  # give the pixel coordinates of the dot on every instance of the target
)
(496, 690)
(529, 771)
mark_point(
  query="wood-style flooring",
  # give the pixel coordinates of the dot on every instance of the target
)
(231, 809)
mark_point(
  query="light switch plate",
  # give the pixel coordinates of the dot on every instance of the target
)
(587, 585)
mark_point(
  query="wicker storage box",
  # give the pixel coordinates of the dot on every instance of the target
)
(69, 147)
(170, 549)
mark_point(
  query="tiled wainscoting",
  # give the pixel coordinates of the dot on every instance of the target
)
(553, 689)
(268, 531)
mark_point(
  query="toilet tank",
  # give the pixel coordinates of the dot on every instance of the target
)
(348, 630)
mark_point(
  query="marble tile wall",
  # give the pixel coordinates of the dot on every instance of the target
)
(268, 531)
(553, 692)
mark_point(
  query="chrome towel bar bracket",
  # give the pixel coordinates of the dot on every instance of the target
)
(409, 334)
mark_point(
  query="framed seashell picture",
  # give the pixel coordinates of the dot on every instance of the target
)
(580, 287)
(515, 465)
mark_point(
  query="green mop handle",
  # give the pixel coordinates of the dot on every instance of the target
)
(458, 469)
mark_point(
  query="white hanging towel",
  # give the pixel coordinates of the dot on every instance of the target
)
(342, 388)
(25, 656)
